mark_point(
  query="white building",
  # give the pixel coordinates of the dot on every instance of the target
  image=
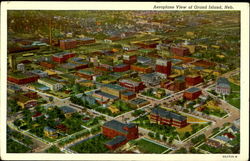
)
(53, 85)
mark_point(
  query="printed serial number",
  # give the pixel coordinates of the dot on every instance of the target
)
(229, 156)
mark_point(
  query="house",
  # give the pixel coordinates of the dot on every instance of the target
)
(67, 111)
(233, 130)
(213, 143)
(222, 86)
(52, 84)
(120, 133)
(36, 115)
(26, 102)
(229, 136)
(222, 139)
(192, 93)
(50, 132)
(164, 117)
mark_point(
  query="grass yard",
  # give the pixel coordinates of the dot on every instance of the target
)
(194, 119)
(187, 128)
(234, 97)
(146, 146)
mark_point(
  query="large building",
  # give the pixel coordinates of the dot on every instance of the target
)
(192, 80)
(132, 85)
(120, 133)
(67, 44)
(180, 51)
(52, 84)
(22, 78)
(62, 57)
(151, 79)
(222, 86)
(88, 73)
(129, 59)
(85, 41)
(143, 68)
(192, 93)
(26, 102)
(163, 66)
(164, 117)
(121, 68)
(113, 89)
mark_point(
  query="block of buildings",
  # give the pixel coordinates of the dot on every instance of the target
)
(120, 133)
(22, 78)
(192, 80)
(163, 66)
(192, 93)
(132, 85)
(179, 85)
(47, 65)
(62, 57)
(222, 86)
(85, 41)
(121, 68)
(143, 60)
(88, 73)
(52, 84)
(180, 51)
(164, 117)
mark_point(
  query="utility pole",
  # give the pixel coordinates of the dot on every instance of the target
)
(50, 32)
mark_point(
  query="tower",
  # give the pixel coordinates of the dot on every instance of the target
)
(12, 62)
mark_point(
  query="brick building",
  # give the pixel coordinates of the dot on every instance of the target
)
(22, 78)
(47, 65)
(120, 133)
(128, 95)
(223, 86)
(192, 93)
(141, 68)
(68, 44)
(121, 68)
(180, 51)
(129, 59)
(164, 117)
(132, 85)
(192, 80)
(163, 66)
(62, 56)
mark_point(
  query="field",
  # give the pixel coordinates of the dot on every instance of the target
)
(194, 119)
(187, 128)
(149, 147)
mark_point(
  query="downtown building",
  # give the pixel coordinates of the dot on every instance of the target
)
(62, 57)
(119, 132)
(132, 85)
(164, 117)
(192, 93)
(180, 51)
(163, 66)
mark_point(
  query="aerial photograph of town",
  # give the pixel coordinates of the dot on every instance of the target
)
(123, 81)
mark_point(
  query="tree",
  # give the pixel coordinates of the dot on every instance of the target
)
(150, 134)
(164, 138)
(157, 135)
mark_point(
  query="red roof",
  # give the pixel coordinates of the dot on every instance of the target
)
(37, 114)
(229, 135)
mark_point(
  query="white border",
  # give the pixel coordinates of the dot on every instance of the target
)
(243, 7)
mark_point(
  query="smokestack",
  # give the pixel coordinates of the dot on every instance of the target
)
(50, 31)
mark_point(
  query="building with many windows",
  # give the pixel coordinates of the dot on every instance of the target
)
(120, 133)
(164, 117)
(222, 86)
(53, 85)
(192, 93)
(132, 85)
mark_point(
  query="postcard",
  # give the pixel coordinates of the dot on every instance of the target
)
(124, 81)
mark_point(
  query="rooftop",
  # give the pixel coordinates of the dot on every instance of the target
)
(128, 93)
(118, 126)
(138, 101)
(193, 89)
(48, 80)
(116, 140)
(67, 109)
(168, 114)
(115, 87)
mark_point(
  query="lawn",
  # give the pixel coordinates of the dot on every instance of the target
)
(194, 119)
(92, 145)
(234, 97)
(59, 94)
(146, 146)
